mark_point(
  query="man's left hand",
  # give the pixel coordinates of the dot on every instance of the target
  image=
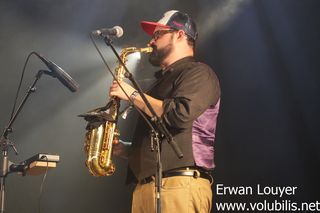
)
(115, 90)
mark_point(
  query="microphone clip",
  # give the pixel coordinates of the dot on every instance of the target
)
(47, 72)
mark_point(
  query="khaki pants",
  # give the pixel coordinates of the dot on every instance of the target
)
(178, 194)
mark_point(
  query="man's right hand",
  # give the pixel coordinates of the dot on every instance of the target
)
(120, 148)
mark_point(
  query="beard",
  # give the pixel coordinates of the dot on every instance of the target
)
(157, 56)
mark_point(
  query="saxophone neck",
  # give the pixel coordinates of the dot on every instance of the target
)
(146, 49)
(120, 71)
(129, 50)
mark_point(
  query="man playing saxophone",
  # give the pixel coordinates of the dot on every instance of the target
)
(186, 97)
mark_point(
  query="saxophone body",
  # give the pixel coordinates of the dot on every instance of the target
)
(100, 137)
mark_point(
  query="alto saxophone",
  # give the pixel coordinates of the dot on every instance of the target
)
(102, 126)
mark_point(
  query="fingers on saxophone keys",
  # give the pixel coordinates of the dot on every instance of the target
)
(113, 88)
(114, 84)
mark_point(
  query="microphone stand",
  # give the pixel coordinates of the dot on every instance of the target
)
(5, 142)
(154, 135)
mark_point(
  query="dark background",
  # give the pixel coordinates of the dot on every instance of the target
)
(266, 54)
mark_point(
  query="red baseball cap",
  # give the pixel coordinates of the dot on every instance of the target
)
(175, 20)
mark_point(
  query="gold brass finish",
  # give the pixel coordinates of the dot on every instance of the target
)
(99, 140)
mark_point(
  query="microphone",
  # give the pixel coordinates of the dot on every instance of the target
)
(116, 31)
(60, 74)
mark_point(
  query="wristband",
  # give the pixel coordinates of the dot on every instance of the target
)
(134, 95)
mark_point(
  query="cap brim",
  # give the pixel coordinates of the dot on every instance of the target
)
(149, 27)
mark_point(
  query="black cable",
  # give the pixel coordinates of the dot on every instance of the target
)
(20, 83)
(42, 183)
(130, 101)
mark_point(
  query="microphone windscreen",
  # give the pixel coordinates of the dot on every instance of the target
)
(64, 77)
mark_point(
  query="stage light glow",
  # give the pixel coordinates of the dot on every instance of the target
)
(215, 19)
(133, 60)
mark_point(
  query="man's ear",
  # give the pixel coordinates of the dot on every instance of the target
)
(180, 35)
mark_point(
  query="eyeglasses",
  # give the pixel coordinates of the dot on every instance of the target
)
(156, 35)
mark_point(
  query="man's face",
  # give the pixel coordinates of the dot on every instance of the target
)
(162, 45)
